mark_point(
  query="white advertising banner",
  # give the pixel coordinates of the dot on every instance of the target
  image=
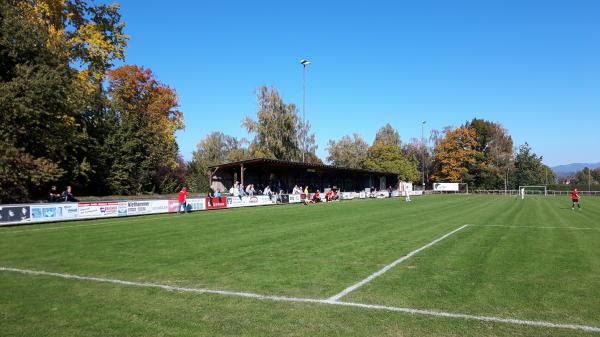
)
(196, 204)
(295, 198)
(147, 207)
(97, 209)
(254, 200)
(54, 212)
(445, 187)
(348, 195)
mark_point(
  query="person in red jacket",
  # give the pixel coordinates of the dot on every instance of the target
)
(182, 201)
(316, 197)
(575, 199)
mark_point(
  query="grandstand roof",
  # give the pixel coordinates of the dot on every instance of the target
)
(294, 164)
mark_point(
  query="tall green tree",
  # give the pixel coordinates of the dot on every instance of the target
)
(214, 149)
(348, 152)
(529, 168)
(495, 147)
(276, 128)
(145, 151)
(53, 56)
(307, 142)
(387, 135)
(389, 158)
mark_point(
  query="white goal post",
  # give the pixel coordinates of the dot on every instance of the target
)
(533, 189)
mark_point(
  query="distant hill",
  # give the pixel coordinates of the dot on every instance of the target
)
(565, 170)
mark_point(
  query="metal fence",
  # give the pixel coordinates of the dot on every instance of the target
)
(550, 193)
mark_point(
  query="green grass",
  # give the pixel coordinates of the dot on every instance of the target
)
(550, 274)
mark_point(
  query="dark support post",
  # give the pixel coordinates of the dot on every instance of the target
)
(242, 174)
(210, 178)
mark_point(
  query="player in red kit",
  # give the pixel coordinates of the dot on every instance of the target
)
(575, 199)
(182, 201)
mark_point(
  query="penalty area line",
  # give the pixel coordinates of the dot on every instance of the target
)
(276, 298)
(389, 266)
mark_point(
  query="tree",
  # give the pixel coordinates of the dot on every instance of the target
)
(496, 153)
(421, 153)
(275, 130)
(348, 152)
(387, 135)
(389, 158)
(588, 176)
(53, 57)
(143, 140)
(216, 148)
(40, 127)
(454, 155)
(529, 169)
(308, 142)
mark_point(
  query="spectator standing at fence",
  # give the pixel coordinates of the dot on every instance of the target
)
(53, 194)
(182, 201)
(575, 199)
(218, 195)
(242, 192)
(297, 190)
(67, 195)
(267, 191)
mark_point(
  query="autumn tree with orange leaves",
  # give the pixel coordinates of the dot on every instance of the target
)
(454, 155)
(143, 142)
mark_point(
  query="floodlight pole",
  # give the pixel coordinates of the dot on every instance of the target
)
(423, 156)
(304, 63)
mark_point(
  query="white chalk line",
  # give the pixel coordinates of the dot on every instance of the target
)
(390, 266)
(540, 227)
(106, 223)
(309, 300)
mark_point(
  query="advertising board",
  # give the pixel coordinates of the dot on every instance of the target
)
(445, 187)
(294, 198)
(196, 204)
(97, 209)
(15, 214)
(54, 212)
(217, 203)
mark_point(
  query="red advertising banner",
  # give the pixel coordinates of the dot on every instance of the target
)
(216, 203)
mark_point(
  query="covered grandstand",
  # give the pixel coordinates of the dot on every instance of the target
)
(283, 175)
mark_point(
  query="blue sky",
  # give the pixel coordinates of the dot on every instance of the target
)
(533, 66)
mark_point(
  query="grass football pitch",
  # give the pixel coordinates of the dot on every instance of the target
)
(353, 268)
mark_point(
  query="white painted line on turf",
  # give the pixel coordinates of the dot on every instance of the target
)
(107, 223)
(308, 300)
(539, 227)
(390, 266)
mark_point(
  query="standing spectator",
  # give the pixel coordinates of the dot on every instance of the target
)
(267, 191)
(53, 194)
(218, 196)
(182, 200)
(242, 192)
(211, 195)
(68, 195)
(297, 190)
(235, 191)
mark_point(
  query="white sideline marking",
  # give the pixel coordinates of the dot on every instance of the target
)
(539, 227)
(389, 266)
(309, 300)
(107, 223)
